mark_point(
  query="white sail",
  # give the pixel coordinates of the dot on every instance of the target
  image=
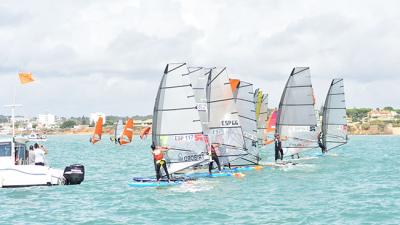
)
(334, 122)
(224, 125)
(119, 127)
(176, 122)
(296, 122)
(199, 78)
(245, 104)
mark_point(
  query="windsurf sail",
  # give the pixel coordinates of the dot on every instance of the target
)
(258, 95)
(98, 130)
(270, 128)
(176, 121)
(296, 122)
(118, 128)
(244, 98)
(224, 124)
(127, 133)
(198, 78)
(261, 116)
(334, 122)
(144, 132)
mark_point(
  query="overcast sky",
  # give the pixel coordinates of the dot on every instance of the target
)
(109, 56)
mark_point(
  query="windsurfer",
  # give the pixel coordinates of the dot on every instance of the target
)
(214, 157)
(158, 156)
(278, 148)
(320, 143)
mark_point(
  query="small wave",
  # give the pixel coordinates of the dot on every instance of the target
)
(194, 186)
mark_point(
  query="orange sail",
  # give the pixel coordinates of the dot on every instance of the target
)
(271, 123)
(97, 131)
(270, 128)
(127, 134)
(144, 132)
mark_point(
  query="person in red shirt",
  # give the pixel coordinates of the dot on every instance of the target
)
(158, 155)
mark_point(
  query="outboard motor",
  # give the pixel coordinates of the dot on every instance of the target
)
(74, 174)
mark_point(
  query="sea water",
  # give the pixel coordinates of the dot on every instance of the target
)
(359, 183)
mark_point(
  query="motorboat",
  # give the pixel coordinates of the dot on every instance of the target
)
(15, 170)
(35, 137)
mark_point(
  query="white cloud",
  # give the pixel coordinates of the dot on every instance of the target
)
(88, 54)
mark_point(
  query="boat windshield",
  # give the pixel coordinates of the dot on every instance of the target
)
(5, 149)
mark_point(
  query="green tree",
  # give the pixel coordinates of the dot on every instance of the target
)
(357, 114)
(388, 108)
(68, 124)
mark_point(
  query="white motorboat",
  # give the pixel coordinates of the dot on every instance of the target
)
(35, 137)
(16, 172)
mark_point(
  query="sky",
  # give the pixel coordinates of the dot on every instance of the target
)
(109, 56)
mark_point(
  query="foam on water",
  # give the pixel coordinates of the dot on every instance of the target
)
(360, 185)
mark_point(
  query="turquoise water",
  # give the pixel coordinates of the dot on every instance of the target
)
(358, 185)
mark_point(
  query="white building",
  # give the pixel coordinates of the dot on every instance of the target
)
(46, 120)
(95, 116)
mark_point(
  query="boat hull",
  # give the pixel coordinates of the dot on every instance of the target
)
(30, 175)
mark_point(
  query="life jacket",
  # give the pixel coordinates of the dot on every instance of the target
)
(158, 155)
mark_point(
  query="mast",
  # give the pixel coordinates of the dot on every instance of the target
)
(334, 122)
(296, 121)
(13, 106)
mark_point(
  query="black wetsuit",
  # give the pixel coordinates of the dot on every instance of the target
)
(214, 157)
(158, 170)
(321, 145)
(278, 150)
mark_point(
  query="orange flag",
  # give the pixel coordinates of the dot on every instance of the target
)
(25, 77)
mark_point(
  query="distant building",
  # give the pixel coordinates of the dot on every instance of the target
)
(382, 115)
(95, 116)
(46, 120)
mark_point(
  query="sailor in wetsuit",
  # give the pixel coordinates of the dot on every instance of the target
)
(320, 144)
(159, 161)
(214, 157)
(278, 148)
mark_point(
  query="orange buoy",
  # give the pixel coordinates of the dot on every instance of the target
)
(258, 167)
